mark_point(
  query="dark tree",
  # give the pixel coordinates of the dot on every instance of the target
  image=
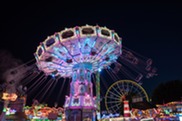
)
(167, 92)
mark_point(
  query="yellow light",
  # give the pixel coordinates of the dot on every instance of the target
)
(5, 96)
(9, 96)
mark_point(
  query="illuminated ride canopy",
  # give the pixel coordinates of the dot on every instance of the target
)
(78, 52)
(65, 50)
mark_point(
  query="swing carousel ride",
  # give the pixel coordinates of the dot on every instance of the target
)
(78, 52)
(78, 55)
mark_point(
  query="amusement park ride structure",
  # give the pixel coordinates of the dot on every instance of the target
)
(130, 90)
(77, 53)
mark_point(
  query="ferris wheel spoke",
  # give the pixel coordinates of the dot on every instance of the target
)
(115, 105)
(113, 98)
(112, 107)
(114, 102)
(117, 91)
(120, 89)
(118, 109)
(123, 86)
(114, 94)
(132, 87)
(135, 90)
(128, 88)
(140, 92)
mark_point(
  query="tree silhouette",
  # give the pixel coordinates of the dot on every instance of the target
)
(167, 92)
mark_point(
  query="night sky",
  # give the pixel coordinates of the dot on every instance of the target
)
(153, 30)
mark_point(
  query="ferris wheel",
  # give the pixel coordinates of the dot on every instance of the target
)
(131, 90)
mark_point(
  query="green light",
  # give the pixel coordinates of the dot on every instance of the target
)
(4, 109)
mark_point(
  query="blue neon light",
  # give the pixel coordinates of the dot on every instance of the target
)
(77, 32)
(94, 44)
(65, 49)
(52, 75)
(79, 45)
